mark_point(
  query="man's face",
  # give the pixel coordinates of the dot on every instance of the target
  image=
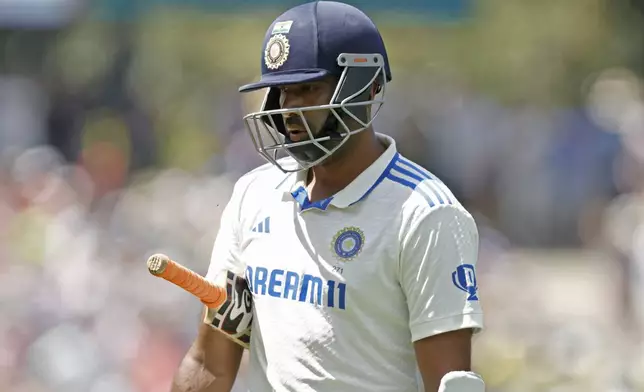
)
(303, 95)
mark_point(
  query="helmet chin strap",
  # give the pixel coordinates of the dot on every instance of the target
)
(310, 152)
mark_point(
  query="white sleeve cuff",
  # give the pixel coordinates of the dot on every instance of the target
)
(447, 324)
(461, 381)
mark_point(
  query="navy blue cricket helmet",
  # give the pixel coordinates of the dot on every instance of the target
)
(308, 43)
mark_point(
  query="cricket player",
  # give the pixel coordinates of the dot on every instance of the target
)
(361, 263)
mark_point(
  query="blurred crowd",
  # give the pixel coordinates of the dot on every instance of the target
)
(114, 148)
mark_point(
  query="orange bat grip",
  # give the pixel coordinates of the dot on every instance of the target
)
(210, 295)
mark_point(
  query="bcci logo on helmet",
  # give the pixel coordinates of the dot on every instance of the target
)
(277, 51)
(465, 279)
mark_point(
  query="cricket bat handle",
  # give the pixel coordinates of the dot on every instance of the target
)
(210, 295)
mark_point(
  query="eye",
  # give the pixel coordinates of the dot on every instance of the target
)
(300, 89)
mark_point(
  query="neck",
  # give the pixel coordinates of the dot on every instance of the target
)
(360, 151)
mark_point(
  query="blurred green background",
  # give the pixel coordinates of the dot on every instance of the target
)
(121, 135)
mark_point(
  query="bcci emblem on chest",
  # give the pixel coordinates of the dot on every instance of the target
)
(348, 243)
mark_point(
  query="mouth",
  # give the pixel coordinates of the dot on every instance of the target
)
(296, 135)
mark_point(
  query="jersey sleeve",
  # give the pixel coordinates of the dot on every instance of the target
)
(225, 254)
(437, 272)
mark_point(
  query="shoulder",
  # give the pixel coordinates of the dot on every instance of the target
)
(417, 187)
(264, 177)
(424, 198)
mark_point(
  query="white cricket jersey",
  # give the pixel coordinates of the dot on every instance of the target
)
(343, 287)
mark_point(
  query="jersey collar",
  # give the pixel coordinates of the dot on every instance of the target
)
(356, 191)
